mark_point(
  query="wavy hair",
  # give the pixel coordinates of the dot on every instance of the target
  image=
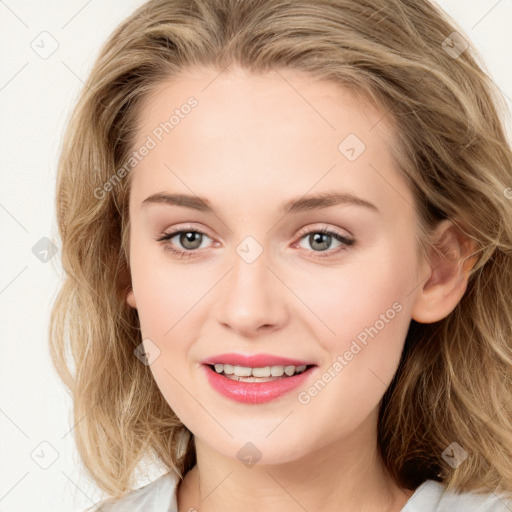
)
(454, 381)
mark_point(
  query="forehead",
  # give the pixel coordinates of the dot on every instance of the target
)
(282, 129)
(263, 97)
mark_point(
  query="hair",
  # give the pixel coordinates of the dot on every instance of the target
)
(454, 380)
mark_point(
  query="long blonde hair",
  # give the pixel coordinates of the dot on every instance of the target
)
(454, 382)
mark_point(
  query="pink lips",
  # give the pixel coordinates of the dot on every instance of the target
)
(254, 392)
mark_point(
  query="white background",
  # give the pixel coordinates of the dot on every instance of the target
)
(36, 96)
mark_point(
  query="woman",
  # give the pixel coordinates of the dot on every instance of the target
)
(287, 237)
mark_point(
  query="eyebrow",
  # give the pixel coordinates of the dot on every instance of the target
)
(301, 204)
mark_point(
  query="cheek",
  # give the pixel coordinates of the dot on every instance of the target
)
(370, 290)
(367, 306)
(167, 302)
(164, 291)
(369, 311)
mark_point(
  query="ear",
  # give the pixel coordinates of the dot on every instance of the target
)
(449, 264)
(124, 285)
(130, 299)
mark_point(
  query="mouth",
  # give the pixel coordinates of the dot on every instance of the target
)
(258, 374)
(259, 384)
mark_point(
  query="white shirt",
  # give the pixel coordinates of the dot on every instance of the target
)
(160, 496)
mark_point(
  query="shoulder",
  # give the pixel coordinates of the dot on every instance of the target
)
(157, 496)
(431, 496)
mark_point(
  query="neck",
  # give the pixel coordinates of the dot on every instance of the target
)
(346, 475)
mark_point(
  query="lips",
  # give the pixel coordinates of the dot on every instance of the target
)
(256, 392)
(255, 360)
(252, 391)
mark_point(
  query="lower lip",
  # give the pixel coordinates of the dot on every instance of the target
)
(255, 392)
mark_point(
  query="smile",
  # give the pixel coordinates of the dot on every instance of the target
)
(256, 385)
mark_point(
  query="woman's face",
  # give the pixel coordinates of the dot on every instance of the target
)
(257, 276)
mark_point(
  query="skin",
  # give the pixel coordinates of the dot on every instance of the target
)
(253, 143)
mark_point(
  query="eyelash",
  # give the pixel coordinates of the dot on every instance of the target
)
(193, 252)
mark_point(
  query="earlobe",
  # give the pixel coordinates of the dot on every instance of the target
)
(448, 279)
(130, 299)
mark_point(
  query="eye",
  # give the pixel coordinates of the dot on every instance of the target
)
(320, 241)
(190, 240)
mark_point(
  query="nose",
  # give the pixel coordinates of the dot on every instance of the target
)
(253, 299)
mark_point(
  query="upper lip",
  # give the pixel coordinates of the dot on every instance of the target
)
(255, 360)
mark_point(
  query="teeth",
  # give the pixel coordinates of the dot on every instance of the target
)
(267, 371)
(229, 369)
(261, 372)
(276, 371)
